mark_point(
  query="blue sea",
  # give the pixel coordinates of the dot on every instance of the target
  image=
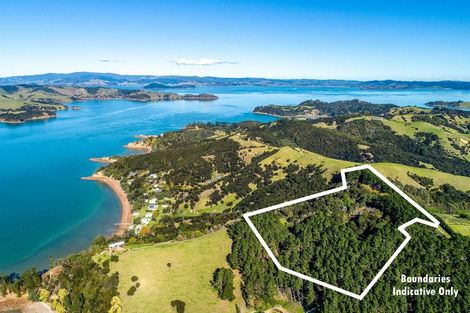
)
(48, 212)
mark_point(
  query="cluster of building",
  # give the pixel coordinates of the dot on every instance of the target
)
(152, 205)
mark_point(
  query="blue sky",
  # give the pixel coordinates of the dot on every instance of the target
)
(426, 40)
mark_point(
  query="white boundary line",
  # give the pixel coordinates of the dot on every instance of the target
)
(402, 228)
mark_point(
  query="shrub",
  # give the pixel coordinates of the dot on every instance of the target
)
(131, 291)
(179, 305)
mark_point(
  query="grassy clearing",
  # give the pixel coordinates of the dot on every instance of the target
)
(249, 148)
(458, 224)
(403, 125)
(288, 155)
(391, 170)
(202, 206)
(399, 172)
(188, 278)
(14, 101)
(446, 135)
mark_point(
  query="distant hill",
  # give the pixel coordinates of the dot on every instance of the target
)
(20, 103)
(139, 81)
(164, 86)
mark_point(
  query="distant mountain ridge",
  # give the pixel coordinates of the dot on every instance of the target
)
(161, 82)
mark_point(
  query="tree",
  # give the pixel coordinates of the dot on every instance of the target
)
(179, 305)
(116, 305)
(223, 283)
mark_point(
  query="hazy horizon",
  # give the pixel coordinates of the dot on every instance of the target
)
(229, 77)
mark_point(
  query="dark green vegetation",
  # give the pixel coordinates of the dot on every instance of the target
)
(317, 108)
(223, 283)
(178, 305)
(76, 284)
(21, 103)
(329, 239)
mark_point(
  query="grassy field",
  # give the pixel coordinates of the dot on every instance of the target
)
(458, 224)
(403, 125)
(13, 101)
(188, 278)
(287, 155)
(399, 172)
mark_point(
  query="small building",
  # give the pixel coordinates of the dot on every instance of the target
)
(148, 215)
(135, 214)
(153, 201)
(145, 220)
(152, 207)
(115, 245)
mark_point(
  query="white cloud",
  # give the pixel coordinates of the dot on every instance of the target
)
(108, 60)
(201, 61)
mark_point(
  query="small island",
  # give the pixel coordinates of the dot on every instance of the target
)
(21, 103)
(314, 109)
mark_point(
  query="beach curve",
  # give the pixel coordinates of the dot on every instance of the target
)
(126, 208)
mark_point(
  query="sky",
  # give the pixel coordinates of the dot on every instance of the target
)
(364, 40)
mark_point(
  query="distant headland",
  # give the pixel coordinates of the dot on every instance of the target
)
(20, 103)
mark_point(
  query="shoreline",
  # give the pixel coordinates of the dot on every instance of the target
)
(104, 160)
(126, 208)
(138, 145)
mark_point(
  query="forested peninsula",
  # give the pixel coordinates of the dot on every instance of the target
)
(20, 103)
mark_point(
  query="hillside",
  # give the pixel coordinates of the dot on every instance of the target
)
(21, 103)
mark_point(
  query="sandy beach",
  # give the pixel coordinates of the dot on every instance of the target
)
(138, 145)
(126, 208)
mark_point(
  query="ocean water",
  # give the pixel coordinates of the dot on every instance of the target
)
(47, 211)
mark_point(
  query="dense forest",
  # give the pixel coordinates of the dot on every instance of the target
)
(315, 108)
(343, 240)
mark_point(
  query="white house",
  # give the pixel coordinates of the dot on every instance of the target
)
(153, 201)
(152, 207)
(148, 215)
(115, 245)
(145, 220)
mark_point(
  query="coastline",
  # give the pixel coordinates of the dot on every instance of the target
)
(138, 145)
(104, 160)
(126, 208)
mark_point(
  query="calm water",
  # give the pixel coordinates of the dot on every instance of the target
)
(47, 211)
